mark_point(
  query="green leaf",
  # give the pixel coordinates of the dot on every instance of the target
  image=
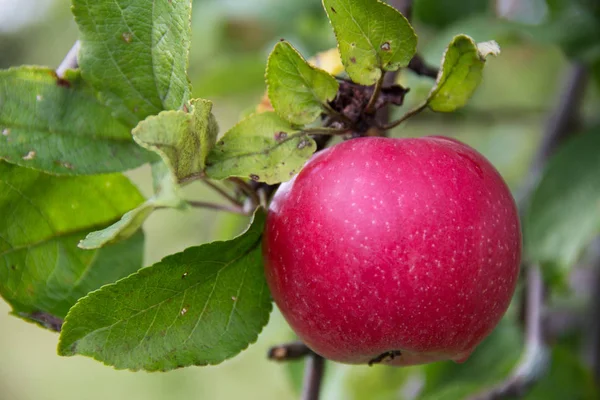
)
(263, 147)
(45, 216)
(182, 139)
(363, 382)
(574, 25)
(198, 307)
(166, 195)
(461, 73)
(564, 213)
(372, 37)
(491, 362)
(135, 53)
(567, 379)
(297, 90)
(58, 126)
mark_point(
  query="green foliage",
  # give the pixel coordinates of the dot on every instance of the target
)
(135, 54)
(166, 195)
(491, 362)
(564, 214)
(297, 90)
(208, 303)
(460, 74)
(363, 382)
(441, 13)
(575, 26)
(567, 379)
(372, 37)
(198, 307)
(44, 218)
(182, 139)
(58, 126)
(263, 147)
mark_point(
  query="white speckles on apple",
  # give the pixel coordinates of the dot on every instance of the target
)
(430, 242)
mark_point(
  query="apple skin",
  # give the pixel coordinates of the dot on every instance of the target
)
(394, 251)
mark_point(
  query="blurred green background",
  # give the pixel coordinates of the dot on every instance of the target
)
(231, 41)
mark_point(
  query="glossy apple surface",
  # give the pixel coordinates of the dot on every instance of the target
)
(396, 251)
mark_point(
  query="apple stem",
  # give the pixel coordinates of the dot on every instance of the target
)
(313, 376)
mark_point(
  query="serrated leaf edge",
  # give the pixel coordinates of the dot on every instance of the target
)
(305, 61)
(66, 322)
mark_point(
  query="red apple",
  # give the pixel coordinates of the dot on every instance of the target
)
(399, 251)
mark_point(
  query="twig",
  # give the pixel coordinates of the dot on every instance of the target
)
(313, 375)
(535, 361)
(70, 61)
(219, 207)
(288, 351)
(247, 189)
(592, 343)
(222, 192)
(418, 66)
(336, 115)
(558, 127)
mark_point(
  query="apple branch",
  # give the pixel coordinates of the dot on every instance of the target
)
(288, 351)
(592, 345)
(419, 67)
(70, 60)
(560, 125)
(535, 360)
(313, 376)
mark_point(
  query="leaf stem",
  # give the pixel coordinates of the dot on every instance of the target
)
(247, 189)
(222, 192)
(339, 116)
(324, 131)
(190, 178)
(70, 60)
(370, 107)
(406, 116)
(219, 207)
(313, 376)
